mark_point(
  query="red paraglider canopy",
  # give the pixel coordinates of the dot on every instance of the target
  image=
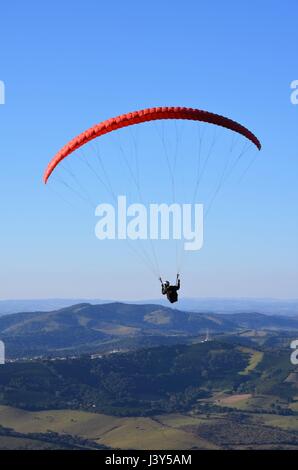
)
(145, 115)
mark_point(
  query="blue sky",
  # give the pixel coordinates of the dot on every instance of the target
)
(68, 65)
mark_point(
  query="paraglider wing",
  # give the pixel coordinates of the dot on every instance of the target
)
(146, 115)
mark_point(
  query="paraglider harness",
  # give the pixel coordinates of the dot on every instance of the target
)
(170, 291)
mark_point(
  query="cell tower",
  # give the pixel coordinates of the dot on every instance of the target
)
(207, 337)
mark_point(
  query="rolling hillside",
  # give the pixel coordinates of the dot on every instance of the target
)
(157, 380)
(86, 328)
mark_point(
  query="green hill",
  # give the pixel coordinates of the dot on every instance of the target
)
(145, 382)
(87, 328)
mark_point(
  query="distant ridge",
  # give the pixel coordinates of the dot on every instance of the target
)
(215, 305)
(86, 327)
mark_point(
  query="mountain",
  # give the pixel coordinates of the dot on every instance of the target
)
(149, 381)
(267, 306)
(210, 395)
(89, 328)
(41, 305)
(215, 305)
(254, 320)
(146, 381)
(85, 328)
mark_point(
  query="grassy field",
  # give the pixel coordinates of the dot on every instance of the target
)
(255, 358)
(179, 420)
(172, 431)
(125, 433)
(294, 406)
(144, 433)
(240, 401)
(247, 402)
(88, 425)
(283, 422)
(17, 443)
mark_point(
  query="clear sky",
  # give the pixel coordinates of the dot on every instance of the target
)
(69, 64)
